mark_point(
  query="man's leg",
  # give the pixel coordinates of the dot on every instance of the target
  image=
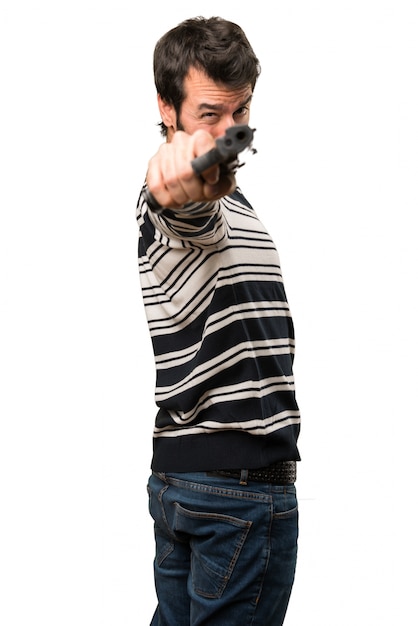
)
(226, 553)
(171, 565)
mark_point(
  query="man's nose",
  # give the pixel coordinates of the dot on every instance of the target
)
(223, 126)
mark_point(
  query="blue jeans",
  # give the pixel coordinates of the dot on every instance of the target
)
(225, 552)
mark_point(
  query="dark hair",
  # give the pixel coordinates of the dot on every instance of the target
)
(218, 47)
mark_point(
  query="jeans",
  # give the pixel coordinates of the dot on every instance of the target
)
(225, 552)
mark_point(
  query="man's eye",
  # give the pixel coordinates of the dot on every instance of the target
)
(209, 118)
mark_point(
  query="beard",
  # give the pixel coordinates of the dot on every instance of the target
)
(178, 123)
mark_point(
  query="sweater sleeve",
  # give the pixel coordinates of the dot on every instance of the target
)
(199, 224)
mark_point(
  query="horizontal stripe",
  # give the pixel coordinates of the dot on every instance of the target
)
(218, 321)
(253, 427)
(227, 358)
(235, 393)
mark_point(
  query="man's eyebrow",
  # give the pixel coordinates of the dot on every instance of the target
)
(219, 107)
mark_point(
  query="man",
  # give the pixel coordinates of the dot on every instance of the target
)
(222, 490)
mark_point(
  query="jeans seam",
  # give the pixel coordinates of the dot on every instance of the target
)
(266, 564)
(220, 491)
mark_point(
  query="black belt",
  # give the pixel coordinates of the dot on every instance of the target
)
(279, 473)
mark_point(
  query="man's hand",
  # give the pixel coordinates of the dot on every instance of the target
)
(172, 180)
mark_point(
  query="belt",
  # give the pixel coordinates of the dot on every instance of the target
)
(279, 473)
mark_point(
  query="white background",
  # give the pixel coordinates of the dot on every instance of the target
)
(335, 181)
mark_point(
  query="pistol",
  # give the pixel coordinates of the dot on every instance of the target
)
(224, 154)
(227, 148)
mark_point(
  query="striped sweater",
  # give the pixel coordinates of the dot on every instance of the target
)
(222, 336)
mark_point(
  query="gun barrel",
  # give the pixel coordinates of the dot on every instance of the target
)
(235, 140)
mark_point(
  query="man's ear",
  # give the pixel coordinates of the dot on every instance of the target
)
(167, 112)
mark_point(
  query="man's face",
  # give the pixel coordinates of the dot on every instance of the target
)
(209, 106)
